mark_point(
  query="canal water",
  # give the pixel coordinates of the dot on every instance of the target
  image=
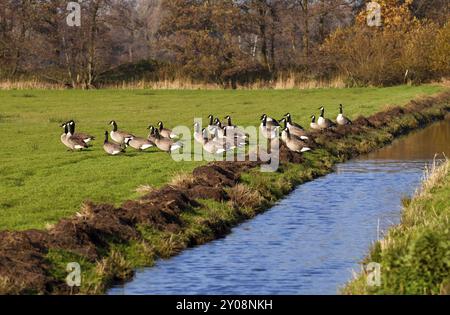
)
(310, 242)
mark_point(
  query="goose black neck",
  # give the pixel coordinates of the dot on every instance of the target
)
(114, 126)
(229, 122)
(289, 119)
(161, 126)
(66, 129)
(211, 120)
(322, 112)
(313, 119)
(341, 110)
(72, 129)
(157, 134)
(288, 134)
(106, 137)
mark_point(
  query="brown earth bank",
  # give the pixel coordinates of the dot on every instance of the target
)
(26, 269)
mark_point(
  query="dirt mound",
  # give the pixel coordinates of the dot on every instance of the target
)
(362, 122)
(384, 118)
(205, 192)
(94, 229)
(23, 268)
(288, 156)
(215, 176)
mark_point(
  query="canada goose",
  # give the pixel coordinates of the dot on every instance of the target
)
(119, 136)
(269, 129)
(83, 136)
(231, 140)
(167, 133)
(111, 148)
(294, 143)
(137, 143)
(75, 144)
(292, 124)
(270, 122)
(215, 146)
(236, 131)
(294, 129)
(219, 131)
(151, 136)
(198, 134)
(211, 127)
(166, 144)
(313, 124)
(341, 119)
(324, 123)
(64, 135)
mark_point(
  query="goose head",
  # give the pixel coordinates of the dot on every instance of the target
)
(66, 129)
(228, 119)
(71, 124)
(160, 125)
(205, 133)
(114, 124)
(288, 118)
(218, 123)
(264, 120)
(313, 117)
(322, 111)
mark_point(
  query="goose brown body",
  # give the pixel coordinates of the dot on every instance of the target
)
(119, 136)
(112, 148)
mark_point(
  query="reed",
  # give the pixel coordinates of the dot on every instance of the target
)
(281, 82)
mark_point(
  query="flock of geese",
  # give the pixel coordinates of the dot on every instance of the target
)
(216, 138)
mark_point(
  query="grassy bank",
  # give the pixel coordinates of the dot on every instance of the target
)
(415, 255)
(109, 241)
(40, 182)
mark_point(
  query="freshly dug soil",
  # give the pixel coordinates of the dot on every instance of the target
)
(24, 268)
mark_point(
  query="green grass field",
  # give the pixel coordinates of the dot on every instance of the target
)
(40, 182)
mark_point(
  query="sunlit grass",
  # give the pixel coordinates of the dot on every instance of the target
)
(414, 255)
(40, 182)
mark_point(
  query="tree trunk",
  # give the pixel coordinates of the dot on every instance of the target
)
(305, 8)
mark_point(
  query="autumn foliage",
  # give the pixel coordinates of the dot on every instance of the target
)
(403, 49)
